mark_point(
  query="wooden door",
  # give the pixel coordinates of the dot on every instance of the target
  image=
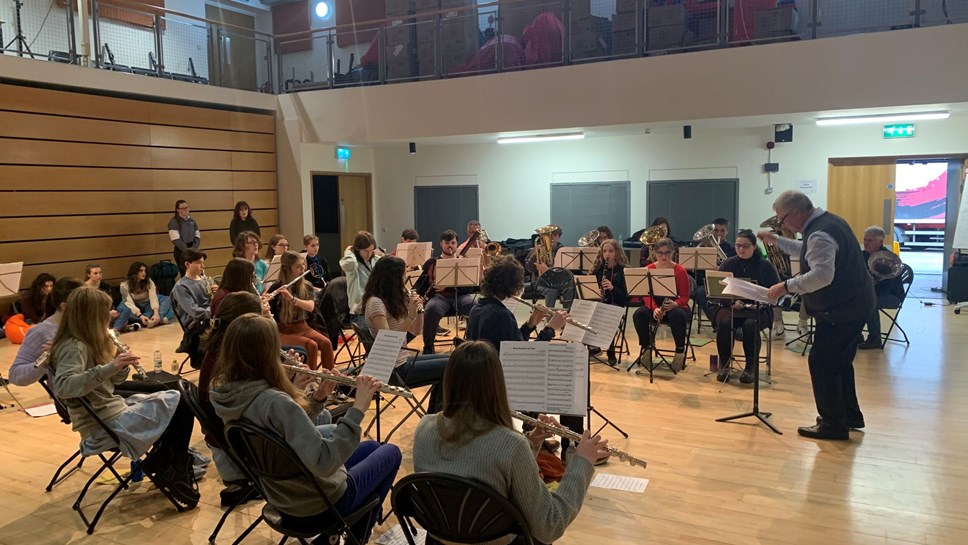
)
(237, 64)
(862, 192)
(354, 208)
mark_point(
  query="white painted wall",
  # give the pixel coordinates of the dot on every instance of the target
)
(514, 180)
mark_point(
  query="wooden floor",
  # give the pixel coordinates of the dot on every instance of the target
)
(903, 480)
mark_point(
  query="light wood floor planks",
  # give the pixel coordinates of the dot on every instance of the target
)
(903, 481)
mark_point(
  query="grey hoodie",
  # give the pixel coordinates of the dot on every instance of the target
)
(257, 403)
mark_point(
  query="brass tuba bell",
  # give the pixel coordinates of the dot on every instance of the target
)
(652, 235)
(543, 248)
(884, 265)
(773, 253)
(589, 239)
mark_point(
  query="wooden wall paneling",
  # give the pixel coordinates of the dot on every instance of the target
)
(184, 137)
(66, 103)
(191, 159)
(72, 129)
(69, 227)
(256, 199)
(38, 203)
(253, 161)
(44, 251)
(254, 180)
(57, 178)
(39, 152)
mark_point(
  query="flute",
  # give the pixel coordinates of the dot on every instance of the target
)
(124, 349)
(342, 380)
(275, 292)
(568, 434)
(42, 358)
(549, 312)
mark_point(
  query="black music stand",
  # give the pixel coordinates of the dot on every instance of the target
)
(464, 272)
(644, 282)
(715, 290)
(755, 412)
(695, 259)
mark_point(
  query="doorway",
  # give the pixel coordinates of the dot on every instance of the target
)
(233, 52)
(342, 207)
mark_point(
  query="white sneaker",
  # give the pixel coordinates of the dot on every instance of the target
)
(803, 327)
(779, 332)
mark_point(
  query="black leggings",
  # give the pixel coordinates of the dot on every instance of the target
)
(174, 441)
(726, 322)
(677, 318)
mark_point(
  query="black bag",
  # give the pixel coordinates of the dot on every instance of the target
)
(163, 274)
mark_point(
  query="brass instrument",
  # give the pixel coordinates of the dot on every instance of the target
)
(209, 286)
(568, 434)
(543, 247)
(484, 238)
(652, 235)
(493, 249)
(884, 265)
(550, 312)
(124, 349)
(706, 238)
(773, 253)
(341, 380)
(270, 296)
(589, 239)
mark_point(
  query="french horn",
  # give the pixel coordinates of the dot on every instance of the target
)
(652, 235)
(589, 239)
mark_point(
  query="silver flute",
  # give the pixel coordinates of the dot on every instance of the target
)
(342, 380)
(42, 358)
(275, 292)
(550, 313)
(568, 434)
(124, 349)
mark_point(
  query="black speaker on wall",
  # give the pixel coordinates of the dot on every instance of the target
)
(687, 131)
(783, 132)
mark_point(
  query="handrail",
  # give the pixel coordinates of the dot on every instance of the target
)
(134, 4)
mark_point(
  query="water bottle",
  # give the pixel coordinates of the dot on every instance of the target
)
(174, 366)
(157, 361)
(137, 474)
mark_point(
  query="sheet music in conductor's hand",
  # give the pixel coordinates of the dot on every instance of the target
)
(545, 377)
(746, 290)
(383, 355)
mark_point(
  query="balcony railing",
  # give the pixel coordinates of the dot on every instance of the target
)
(431, 39)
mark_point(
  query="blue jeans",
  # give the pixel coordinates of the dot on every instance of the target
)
(422, 370)
(124, 314)
(371, 469)
(164, 309)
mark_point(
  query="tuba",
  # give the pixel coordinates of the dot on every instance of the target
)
(652, 235)
(543, 248)
(589, 239)
(776, 257)
(706, 238)
(884, 265)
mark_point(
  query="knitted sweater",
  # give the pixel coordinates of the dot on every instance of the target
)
(503, 460)
(78, 375)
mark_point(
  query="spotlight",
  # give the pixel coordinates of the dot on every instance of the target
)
(322, 10)
(413, 148)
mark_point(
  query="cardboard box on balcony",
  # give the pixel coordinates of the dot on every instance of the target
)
(625, 6)
(421, 6)
(666, 16)
(665, 37)
(399, 7)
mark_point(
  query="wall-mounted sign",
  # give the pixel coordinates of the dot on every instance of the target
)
(899, 130)
(342, 153)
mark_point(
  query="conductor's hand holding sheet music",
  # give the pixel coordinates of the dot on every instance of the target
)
(747, 290)
(777, 290)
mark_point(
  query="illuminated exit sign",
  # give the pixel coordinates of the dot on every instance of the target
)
(900, 130)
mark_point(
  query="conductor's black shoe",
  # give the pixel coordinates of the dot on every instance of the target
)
(822, 431)
(428, 350)
(594, 350)
(852, 424)
(869, 345)
(746, 378)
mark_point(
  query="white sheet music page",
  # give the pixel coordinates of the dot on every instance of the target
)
(581, 311)
(383, 354)
(525, 374)
(747, 290)
(618, 482)
(579, 396)
(604, 321)
(560, 392)
(511, 304)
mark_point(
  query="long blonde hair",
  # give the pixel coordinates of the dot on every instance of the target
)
(250, 351)
(619, 254)
(86, 320)
(288, 312)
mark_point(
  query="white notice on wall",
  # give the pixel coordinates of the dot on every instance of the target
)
(807, 186)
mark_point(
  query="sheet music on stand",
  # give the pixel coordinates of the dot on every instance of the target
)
(383, 355)
(546, 377)
(10, 274)
(601, 317)
(747, 290)
(415, 254)
(411, 279)
(699, 258)
(458, 273)
(474, 252)
(272, 273)
(588, 288)
(645, 282)
(575, 258)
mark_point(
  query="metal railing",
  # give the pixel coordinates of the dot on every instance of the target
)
(430, 39)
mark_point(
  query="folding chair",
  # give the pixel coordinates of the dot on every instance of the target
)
(335, 312)
(189, 344)
(738, 360)
(417, 405)
(268, 458)
(455, 509)
(65, 418)
(664, 353)
(907, 279)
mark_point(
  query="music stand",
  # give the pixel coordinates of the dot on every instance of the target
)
(411, 279)
(272, 273)
(699, 258)
(414, 254)
(644, 282)
(714, 288)
(588, 288)
(456, 273)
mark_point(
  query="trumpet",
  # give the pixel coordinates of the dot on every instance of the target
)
(342, 380)
(550, 312)
(124, 349)
(275, 292)
(568, 434)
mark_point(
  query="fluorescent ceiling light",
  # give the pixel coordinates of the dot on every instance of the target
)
(881, 118)
(539, 138)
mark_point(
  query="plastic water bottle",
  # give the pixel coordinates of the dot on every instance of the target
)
(137, 474)
(158, 361)
(174, 366)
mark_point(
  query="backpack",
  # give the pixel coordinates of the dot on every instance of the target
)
(163, 274)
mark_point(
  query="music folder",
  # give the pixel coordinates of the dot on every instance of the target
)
(715, 284)
(588, 287)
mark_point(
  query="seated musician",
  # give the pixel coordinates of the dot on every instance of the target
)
(609, 270)
(473, 227)
(120, 314)
(32, 302)
(386, 305)
(473, 437)
(748, 263)
(538, 269)
(604, 233)
(357, 262)
(249, 385)
(291, 308)
(440, 301)
(40, 336)
(247, 246)
(721, 232)
(889, 292)
(192, 301)
(646, 256)
(316, 262)
(666, 309)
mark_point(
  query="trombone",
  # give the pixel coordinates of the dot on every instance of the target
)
(550, 312)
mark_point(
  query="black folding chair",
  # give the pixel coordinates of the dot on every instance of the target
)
(190, 342)
(456, 509)
(907, 279)
(268, 459)
(65, 418)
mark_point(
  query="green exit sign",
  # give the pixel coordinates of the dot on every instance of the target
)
(901, 130)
